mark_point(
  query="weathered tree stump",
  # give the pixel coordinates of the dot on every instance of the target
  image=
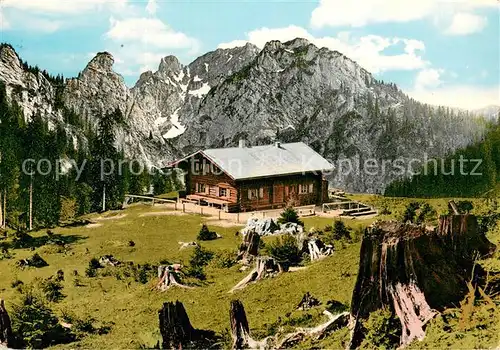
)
(240, 330)
(169, 277)
(176, 329)
(265, 266)
(415, 271)
(249, 249)
(5, 326)
(317, 249)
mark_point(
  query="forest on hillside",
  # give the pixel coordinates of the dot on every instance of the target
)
(470, 172)
(48, 175)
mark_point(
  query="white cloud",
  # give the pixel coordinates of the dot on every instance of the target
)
(61, 6)
(428, 78)
(150, 32)
(460, 96)
(466, 23)
(356, 13)
(368, 50)
(152, 7)
(4, 24)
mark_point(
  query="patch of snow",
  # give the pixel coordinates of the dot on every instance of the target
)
(230, 58)
(201, 91)
(280, 70)
(177, 128)
(196, 78)
(290, 51)
(206, 67)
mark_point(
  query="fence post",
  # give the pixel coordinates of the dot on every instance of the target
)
(175, 206)
(153, 202)
(238, 217)
(219, 215)
(201, 209)
(263, 214)
(183, 207)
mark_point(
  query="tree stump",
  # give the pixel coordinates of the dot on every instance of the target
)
(265, 266)
(414, 271)
(5, 326)
(318, 250)
(249, 249)
(169, 277)
(240, 330)
(176, 329)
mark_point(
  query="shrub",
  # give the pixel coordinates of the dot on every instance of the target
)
(52, 289)
(205, 234)
(427, 213)
(285, 251)
(35, 261)
(290, 215)
(340, 230)
(465, 207)
(200, 257)
(68, 209)
(224, 259)
(91, 270)
(383, 330)
(16, 283)
(410, 212)
(35, 325)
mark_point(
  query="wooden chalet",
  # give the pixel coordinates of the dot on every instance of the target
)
(256, 178)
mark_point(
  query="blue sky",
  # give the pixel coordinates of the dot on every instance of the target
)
(439, 51)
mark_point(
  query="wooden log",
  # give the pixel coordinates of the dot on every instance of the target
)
(6, 336)
(415, 271)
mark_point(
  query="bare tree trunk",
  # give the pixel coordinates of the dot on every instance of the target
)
(31, 205)
(4, 208)
(415, 271)
(1, 210)
(5, 326)
(104, 198)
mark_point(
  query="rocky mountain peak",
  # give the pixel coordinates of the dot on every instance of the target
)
(170, 64)
(102, 62)
(9, 57)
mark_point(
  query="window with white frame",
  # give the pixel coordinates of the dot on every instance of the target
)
(305, 189)
(223, 192)
(201, 188)
(253, 193)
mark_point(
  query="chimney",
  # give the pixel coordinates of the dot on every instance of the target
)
(242, 143)
(277, 144)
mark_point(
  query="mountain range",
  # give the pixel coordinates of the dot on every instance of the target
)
(292, 91)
